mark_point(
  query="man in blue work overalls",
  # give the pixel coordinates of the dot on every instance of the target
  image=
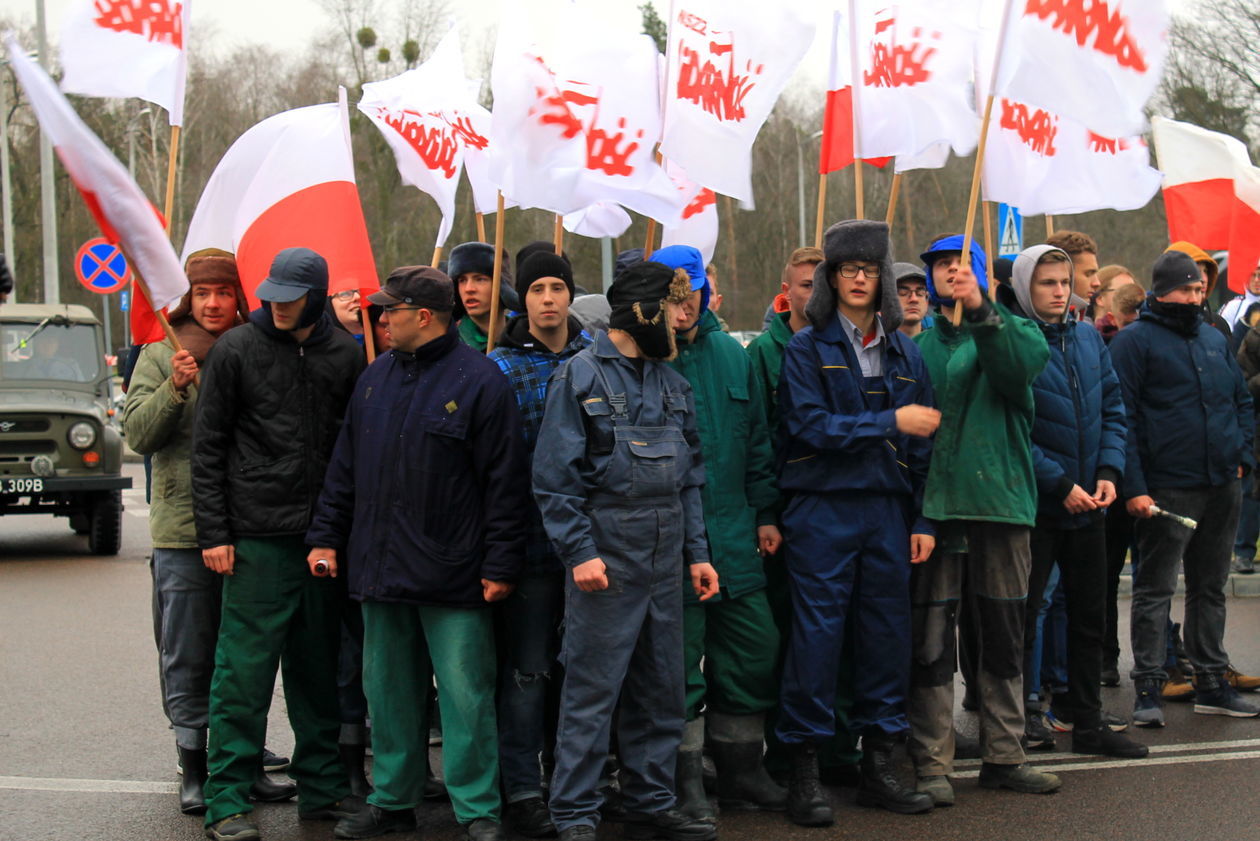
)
(617, 476)
(857, 415)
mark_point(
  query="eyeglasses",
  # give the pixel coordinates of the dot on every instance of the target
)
(852, 269)
(346, 294)
(400, 308)
(912, 291)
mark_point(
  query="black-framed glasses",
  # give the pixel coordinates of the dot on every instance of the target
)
(912, 291)
(400, 308)
(852, 269)
(346, 294)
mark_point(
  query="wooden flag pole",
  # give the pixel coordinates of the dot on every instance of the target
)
(971, 202)
(557, 235)
(170, 179)
(1049, 226)
(651, 236)
(481, 227)
(822, 206)
(988, 249)
(892, 201)
(857, 188)
(437, 256)
(497, 281)
(369, 338)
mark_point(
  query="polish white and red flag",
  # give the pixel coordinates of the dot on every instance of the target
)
(1211, 192)
(699, 224)
(425, 117)
(1044, 163)
(728, 61)
(288, 182)
(123, 213)
(913, 61)
(127, 48)
(576, 117)
(1095, 62)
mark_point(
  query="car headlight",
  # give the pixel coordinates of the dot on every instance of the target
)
(82, 435)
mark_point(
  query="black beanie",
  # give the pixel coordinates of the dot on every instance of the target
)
(539, 246)
(1172, 270)
(542, 264)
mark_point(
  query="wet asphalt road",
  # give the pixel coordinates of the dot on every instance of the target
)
(85, 753)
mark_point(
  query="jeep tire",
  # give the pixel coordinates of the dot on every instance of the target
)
(105, 532)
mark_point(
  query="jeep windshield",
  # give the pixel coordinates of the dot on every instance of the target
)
(49, 350)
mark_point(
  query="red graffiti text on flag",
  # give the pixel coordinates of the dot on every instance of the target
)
(704, 198)
(468, 135)
(695, 23)
(1112, 146)
(160, 21)
(435, 145)
(894, 65)
(605, 153)
(1082, 19)
(1037, 129)
(575, 107)
(720, 91)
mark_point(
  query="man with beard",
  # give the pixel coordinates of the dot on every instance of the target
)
(618, 483)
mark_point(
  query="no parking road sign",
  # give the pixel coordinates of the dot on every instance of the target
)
(101, 267)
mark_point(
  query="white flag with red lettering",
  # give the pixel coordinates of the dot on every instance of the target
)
(575, 123)
(1045, 163)
(127, 48)
(118, 204)
(728, 61)
(423, 116)
(699, 224)
(914, 60)
(602, 219)
(1096, 63)
(288, 181)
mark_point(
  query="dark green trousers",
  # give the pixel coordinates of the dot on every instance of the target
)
(275, 613)
(739, 644)
(403, 647)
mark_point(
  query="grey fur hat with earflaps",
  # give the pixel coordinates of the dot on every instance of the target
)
(854, 239)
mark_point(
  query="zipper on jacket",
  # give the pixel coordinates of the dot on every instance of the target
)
(1075, 386)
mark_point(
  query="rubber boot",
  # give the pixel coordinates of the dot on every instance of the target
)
(266, 790)
(353, 756)
(735, 742)
(192, 798)
(806, 804)
(880, 786)
(693, 801)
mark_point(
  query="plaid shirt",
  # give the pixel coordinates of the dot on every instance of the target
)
(529, 368)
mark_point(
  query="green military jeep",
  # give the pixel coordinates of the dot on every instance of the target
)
(58, 453)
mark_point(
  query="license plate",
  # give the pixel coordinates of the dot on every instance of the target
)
(21, 486)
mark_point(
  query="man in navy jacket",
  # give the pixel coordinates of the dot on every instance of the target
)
(425, 506)
(1078, 457)
(1189, 441)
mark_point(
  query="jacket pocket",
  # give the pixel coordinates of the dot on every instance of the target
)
(738, 395)
(599, 426)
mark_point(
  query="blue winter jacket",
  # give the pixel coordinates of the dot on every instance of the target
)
(1079, 430)
(1190, 422)
(427, 491)
(829, 437)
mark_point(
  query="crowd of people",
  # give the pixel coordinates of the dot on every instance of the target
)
(620, 546)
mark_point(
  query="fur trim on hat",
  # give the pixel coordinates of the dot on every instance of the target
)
(854, 239)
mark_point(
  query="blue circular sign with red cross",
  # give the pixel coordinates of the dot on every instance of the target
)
(101, 267)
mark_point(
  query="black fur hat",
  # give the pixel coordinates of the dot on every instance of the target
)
(855, 239)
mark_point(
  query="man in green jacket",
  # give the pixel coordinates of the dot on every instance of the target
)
(982, 493)
(158, 420)
(735, 634)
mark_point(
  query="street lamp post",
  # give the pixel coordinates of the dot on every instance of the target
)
(47, 190)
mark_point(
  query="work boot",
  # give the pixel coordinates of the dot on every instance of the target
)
(936, 787)
(1214, 696)
(266, 790)
(484, 829)
(192, 798)
(1240, 681)
(1104, 741)
(238, 827)
(578, 832)
(353, 757)
(346, 807)
(1148, 708)
(372, 821)
(880, 785)
(1022, 778)
(1177, 688)
(693, 801)
(1037, 735)
(1243, 565)
(669, 824)
(530, 817)
(806, 804)
(743, 784)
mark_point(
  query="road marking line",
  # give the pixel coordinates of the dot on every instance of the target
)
(1136, 763)
(1175, 748)
(87, 786)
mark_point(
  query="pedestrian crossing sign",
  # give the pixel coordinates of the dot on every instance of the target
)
(1010, 231)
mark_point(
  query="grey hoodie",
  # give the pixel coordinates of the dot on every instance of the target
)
(1022, 275)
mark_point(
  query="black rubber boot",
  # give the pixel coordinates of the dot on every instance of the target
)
(806, 804)
(880, 786)
(735, 741)
(192, 798)
(353, 757)
(266, 790)
(693, 801)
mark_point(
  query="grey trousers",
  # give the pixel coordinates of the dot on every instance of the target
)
(187, 599)
(993, 576)
(1206, 552)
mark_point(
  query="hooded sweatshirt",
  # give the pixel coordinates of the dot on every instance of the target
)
(1210, 275)
(1078, 432)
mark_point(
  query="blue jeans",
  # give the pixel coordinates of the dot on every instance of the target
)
(1033, 656)
(529, 639)
(1054, 641)
(1248, 525)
